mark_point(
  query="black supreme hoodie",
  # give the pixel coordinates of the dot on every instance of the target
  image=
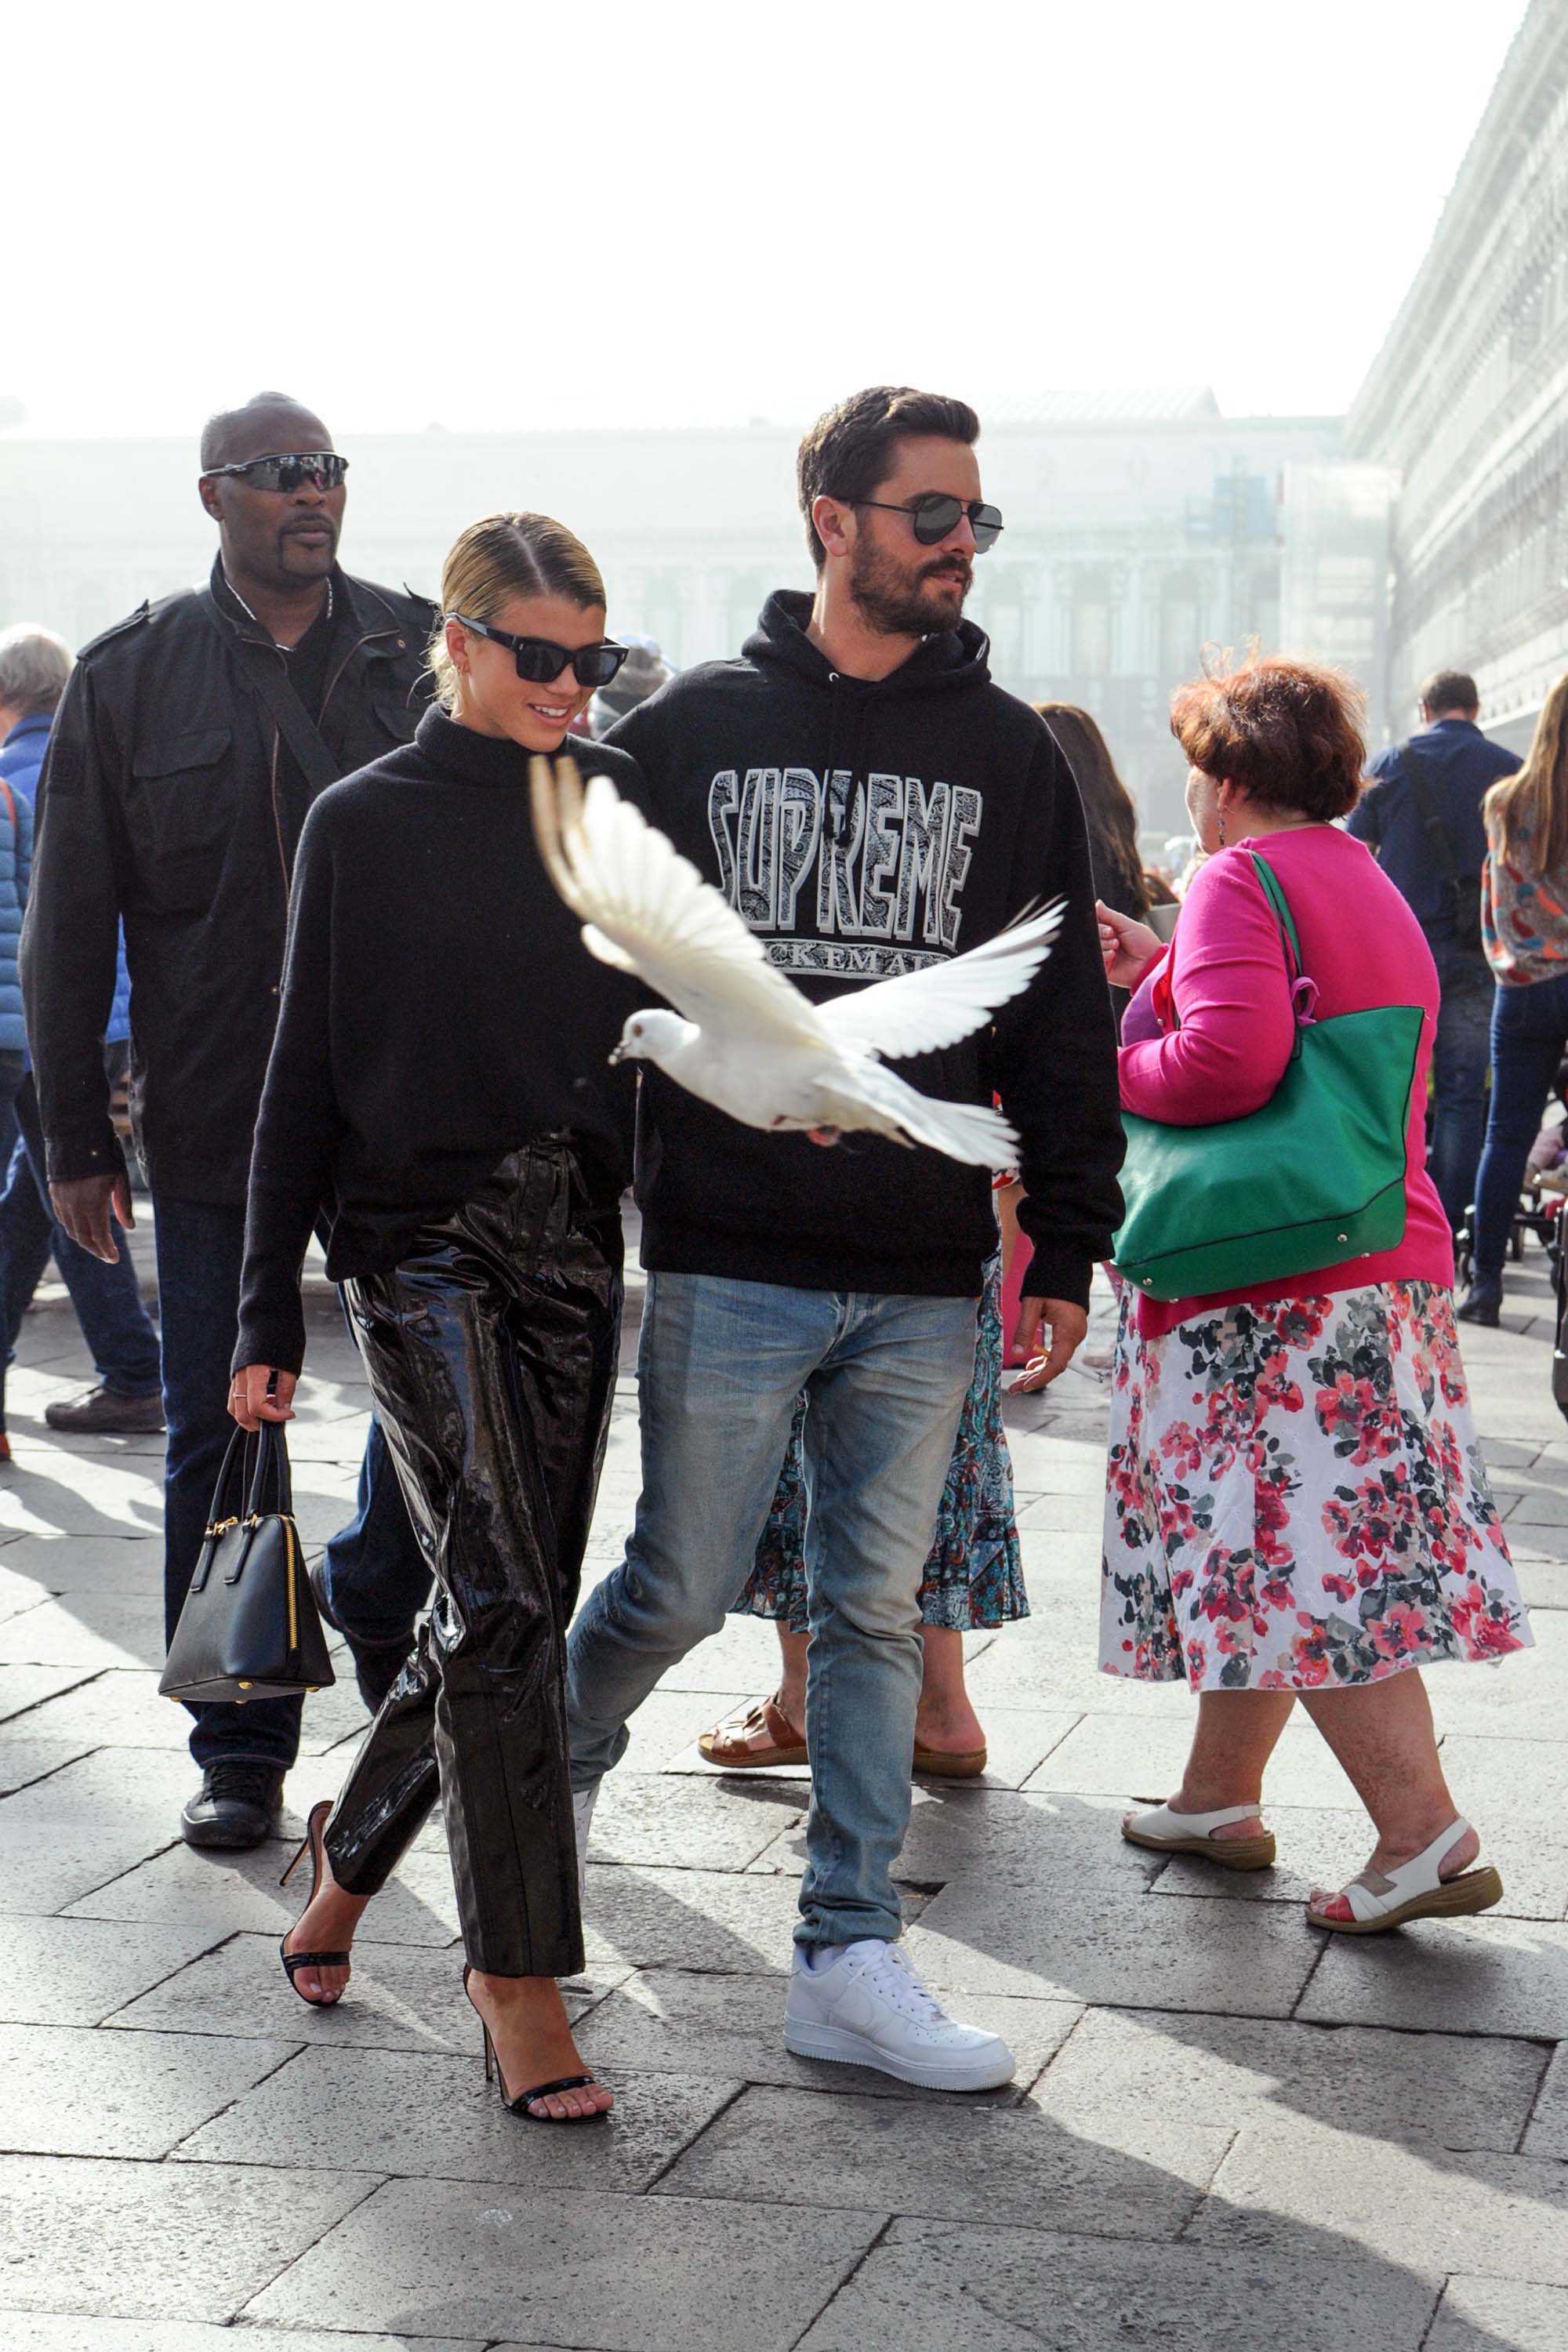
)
(863, 830)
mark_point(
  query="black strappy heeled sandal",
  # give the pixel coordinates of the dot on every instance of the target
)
(292, 1961)
(521, 2105)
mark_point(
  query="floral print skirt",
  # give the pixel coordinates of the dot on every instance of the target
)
(1296, 1498)
(975, 1575)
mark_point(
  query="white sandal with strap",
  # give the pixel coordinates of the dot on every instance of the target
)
(1416, 1890)
(1167, 1832)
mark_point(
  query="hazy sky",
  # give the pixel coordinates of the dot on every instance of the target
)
(484, 216)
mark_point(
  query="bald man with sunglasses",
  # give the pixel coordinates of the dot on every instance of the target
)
(192, 740)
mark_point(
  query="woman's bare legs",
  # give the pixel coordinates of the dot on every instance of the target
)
(1238, 1733)
(527, 2019)
(327, 1924)
(946, 1720)
(1383, 1737)
(526, 2015)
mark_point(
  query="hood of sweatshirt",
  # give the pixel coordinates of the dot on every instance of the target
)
(953, 658)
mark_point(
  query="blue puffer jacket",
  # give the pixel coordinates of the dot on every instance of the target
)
(16, 865)
(21, 758)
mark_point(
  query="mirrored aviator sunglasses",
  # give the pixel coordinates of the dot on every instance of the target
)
(323, 470)
(540, 661)
(935, 513)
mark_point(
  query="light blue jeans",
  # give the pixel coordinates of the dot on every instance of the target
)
(720, 1368)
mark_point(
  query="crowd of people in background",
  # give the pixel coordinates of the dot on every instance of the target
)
(277, 859)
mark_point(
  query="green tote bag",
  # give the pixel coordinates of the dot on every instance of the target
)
(1316, 1176)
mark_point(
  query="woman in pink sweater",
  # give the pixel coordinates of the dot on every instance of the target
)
(1297, 1505)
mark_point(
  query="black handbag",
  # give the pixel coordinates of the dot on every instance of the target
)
(249, 1628)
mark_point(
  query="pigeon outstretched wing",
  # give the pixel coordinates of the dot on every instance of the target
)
(922, 1010)
(646, 910)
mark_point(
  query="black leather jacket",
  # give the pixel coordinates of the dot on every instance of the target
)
(168, 799)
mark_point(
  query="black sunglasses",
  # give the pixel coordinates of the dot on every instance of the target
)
(540, 661)
(934, 514)
(323, 470)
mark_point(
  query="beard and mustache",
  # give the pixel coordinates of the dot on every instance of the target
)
(899, 603)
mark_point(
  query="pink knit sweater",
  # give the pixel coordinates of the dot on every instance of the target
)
(1225, 971)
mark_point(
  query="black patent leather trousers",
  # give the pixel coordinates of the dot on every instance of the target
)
(490, 1351)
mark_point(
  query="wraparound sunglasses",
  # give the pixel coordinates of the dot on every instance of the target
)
(540, 661)
(323, 470)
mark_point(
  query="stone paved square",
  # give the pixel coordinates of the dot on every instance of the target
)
(1215, 2107)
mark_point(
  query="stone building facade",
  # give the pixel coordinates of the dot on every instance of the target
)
(1140, 526)
(1468, 402)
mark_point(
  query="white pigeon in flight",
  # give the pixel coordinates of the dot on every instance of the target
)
(745, 1038)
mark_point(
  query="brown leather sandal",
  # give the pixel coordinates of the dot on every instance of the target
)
(752, 1740)
(950, 1763)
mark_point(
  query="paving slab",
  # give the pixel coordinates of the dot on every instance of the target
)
(1460, 2093)
(157, 2240)
(72, 2092)
(744, 1656)
(76, 1972)
(17, 1593)
(71, 2332)
(738, 1922)
(1283, 2190)
(1495, 2316)
(404, 1996)
(1052, 1660)
(928, 2285)
(122, 1563)
(56, 1490)
(122, 1710)
(426, 2257)
(1134, 2177)
(996, 1932)
(431, 2117)
(672, 2021)
(956, 1831)
(1128, 1756)
(717, 1823)
(666, 1725)
(23, 1688)
(23, 1761)
(91, 1629)
(1548, 2133)
(231, 1892)
(1471, 1975)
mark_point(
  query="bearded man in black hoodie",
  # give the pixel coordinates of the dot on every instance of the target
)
(870, 802)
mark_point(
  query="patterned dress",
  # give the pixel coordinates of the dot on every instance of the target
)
(974, 1574)
(1297, 1498)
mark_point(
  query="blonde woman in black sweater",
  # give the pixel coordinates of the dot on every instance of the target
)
(441, 1091)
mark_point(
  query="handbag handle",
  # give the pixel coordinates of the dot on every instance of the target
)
(1303, 991)
(228, 1495)
(272, 1472)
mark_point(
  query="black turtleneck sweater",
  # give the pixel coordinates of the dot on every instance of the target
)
(439, 1010)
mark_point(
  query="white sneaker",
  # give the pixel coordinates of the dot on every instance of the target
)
(583, 1804)
(868, 2008)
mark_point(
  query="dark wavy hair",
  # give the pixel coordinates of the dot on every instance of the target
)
(1109, 809)
(1288, 733)
(849, 450)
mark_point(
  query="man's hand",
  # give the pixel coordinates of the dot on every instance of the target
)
(88, 1206)
(260, 1392)
(1069, 1329)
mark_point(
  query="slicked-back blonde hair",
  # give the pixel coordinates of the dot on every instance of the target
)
(497, 558)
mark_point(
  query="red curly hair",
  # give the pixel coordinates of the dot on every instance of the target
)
(1287, 734)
